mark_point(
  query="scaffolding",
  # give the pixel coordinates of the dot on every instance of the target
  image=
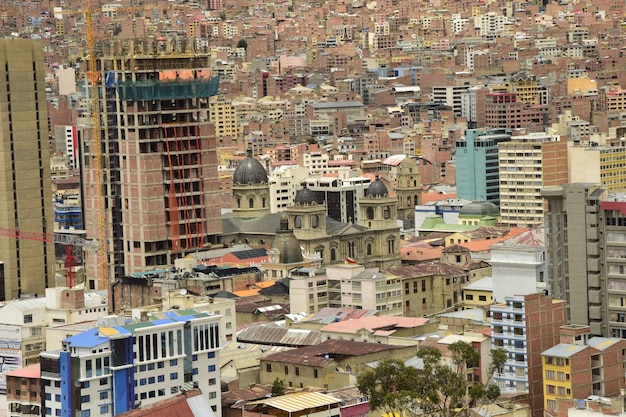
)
(168, 89)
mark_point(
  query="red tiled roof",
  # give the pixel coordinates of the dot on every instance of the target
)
(172, 407)
(430, 197)
(33, 371)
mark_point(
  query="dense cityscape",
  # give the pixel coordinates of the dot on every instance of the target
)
(324, 209)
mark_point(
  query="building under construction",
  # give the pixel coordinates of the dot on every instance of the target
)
(159, 197)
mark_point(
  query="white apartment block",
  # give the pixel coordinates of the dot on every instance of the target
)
(348, 285)
(110, 370)
(284, 183)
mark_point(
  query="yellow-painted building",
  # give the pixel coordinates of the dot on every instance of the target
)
(557, 371)
(478, 294)
(581, 86)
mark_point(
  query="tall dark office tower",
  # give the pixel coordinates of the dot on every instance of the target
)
(25, 190)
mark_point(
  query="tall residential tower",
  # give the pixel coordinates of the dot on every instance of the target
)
(26, 266)
(159, 158)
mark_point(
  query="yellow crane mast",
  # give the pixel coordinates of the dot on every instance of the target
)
(97, 160)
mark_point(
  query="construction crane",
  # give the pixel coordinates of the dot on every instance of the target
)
(68, 240)
(96, 147)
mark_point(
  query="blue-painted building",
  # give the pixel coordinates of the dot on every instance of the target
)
(68, 214)
(477, 164)
(112, 369)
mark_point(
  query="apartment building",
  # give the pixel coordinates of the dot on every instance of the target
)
(526, 165)
(27, 264)
(612, 98)
(67, 141)
(504, 110)
(224, 116)
(284, 183)
(345, 285)
(518, 265)
(24, 391)
(161, 194)
(450, 95)
(581, 366)
(430, 288)
(341, 195)
(525, 326)
(572, 226)
(109, 370)
(586, 227)
(604, 165)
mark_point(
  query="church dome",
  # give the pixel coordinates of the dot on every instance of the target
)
(250, 171)
(377, 189)
(479, 208)
(304, 196)
(287, 243)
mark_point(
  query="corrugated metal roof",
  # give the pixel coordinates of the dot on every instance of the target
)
(602, 343)
(279, 336)
(200, 406)
(564, 350)
(298, 402)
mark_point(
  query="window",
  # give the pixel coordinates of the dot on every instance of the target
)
(314, 373)
(469, 297)
(104, 409)
(173, 375)
(550, 374)
(211, 368)
(28, 318)
(104, 395)
(482, 298)
(268, 367)
(85, 399)
(286, 370)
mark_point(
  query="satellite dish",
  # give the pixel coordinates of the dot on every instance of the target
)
(183, 291)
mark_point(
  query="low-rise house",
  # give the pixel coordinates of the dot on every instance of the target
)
(332, 364)
(379, 329)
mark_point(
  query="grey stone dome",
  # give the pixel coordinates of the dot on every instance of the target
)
(304, 196)
(377, 189)
(479, 208)
(250, 171)
(287, 243)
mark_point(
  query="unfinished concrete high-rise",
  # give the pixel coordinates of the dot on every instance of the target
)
(26, 265)
(159, 159)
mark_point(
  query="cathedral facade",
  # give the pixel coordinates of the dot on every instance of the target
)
(373, 241)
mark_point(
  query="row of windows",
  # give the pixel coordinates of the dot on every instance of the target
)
(268, 368)
(206, 336)
(154, 346)
(558, 376)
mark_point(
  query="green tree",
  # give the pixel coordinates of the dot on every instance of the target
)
(242, 44)
(278, 388)
(438, 388)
